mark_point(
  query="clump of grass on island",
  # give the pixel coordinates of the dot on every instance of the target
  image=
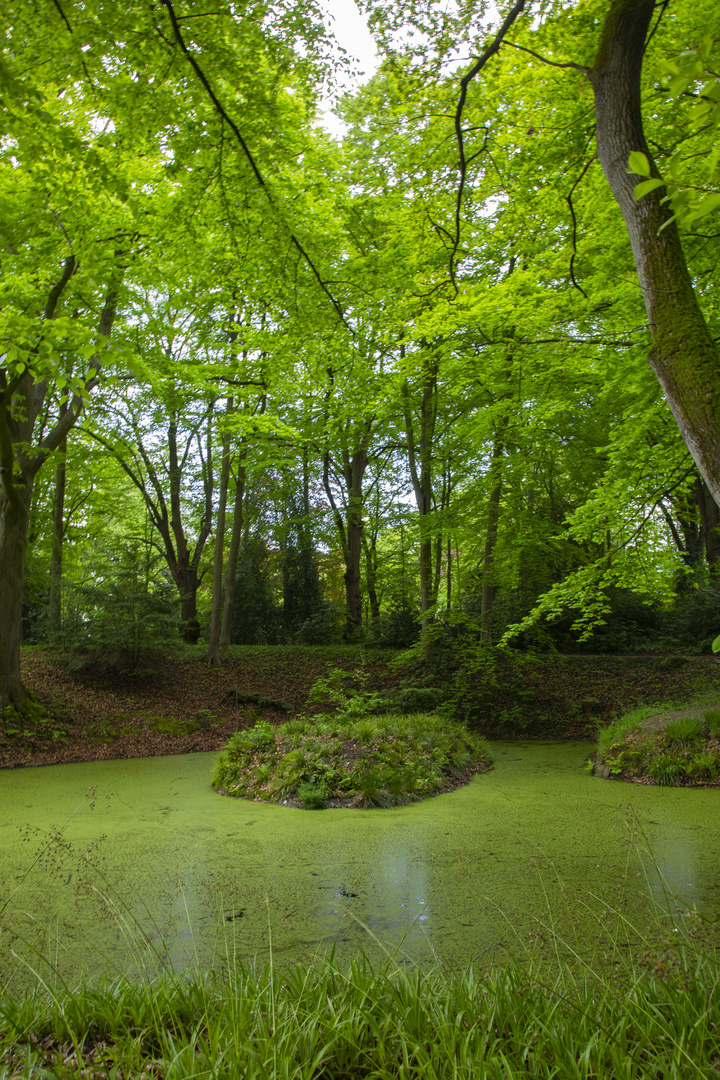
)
(642, 745)
(369, 761)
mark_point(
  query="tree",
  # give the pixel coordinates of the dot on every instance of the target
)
(684, 354)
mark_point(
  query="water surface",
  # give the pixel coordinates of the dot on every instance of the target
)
(120, 865)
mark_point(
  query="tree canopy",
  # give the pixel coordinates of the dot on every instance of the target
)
(389, 384)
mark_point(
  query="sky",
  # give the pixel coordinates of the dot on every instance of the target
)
(350, 30)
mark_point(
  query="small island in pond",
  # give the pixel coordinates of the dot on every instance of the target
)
(371, 761)
(652, 745)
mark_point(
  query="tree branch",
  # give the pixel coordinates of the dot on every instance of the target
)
(251, 160)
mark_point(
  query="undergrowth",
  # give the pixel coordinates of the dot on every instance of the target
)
(380, 761)
(669, 752)
(352, 756)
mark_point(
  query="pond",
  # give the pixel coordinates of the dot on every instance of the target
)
(124, 866)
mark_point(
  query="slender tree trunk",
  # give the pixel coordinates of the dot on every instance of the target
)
(354, 525)
(683, 355)
(488, 584)
(448, 576)
(420, 462)
(233, 554)
(58, 536)
(371, 575)
(350, 528)
(213, 657)
(709, 523)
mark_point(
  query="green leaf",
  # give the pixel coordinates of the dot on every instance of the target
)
(647, 186)
(638, 163)
(716, 644)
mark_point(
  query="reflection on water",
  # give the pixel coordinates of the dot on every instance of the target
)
(155, 867)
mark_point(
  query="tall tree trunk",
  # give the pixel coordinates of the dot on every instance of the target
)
(350, 527)
(709, 523)
(448, 576)
(13, 544)
(213, 657)
(371, 574)
(233, 554)
(420, 462)
(58, 536)
(493, 518)
(355, 470)
(683, 355)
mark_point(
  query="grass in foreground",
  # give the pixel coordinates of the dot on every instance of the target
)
(644, 745)
(363, 761)
(335, 1025)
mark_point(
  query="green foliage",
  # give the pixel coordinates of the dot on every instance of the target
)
(357, 760)
(705, 766)
(320, 1019)
(121, 619)
(312, 796)
(666, 768)
(669, 753)
(685, 731)
(689, 75)
(32, 726)
(258, 737)
(712, 719)
(627, 724)
(256, 617)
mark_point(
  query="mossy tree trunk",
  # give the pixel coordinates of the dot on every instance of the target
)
(683, 355)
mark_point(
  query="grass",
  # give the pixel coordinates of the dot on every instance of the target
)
(330, 1024)
(350, 760)
(682, 751)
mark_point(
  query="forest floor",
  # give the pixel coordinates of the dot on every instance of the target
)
(177, 704)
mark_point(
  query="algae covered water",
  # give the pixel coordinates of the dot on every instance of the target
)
(124, 866)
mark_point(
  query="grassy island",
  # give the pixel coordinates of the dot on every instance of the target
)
(370, 761)
(662, 745)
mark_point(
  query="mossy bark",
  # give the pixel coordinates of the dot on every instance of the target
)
(683, 354)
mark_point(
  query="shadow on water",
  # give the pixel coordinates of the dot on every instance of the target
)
(131, 866)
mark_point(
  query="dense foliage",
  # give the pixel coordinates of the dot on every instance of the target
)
(263, 385)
